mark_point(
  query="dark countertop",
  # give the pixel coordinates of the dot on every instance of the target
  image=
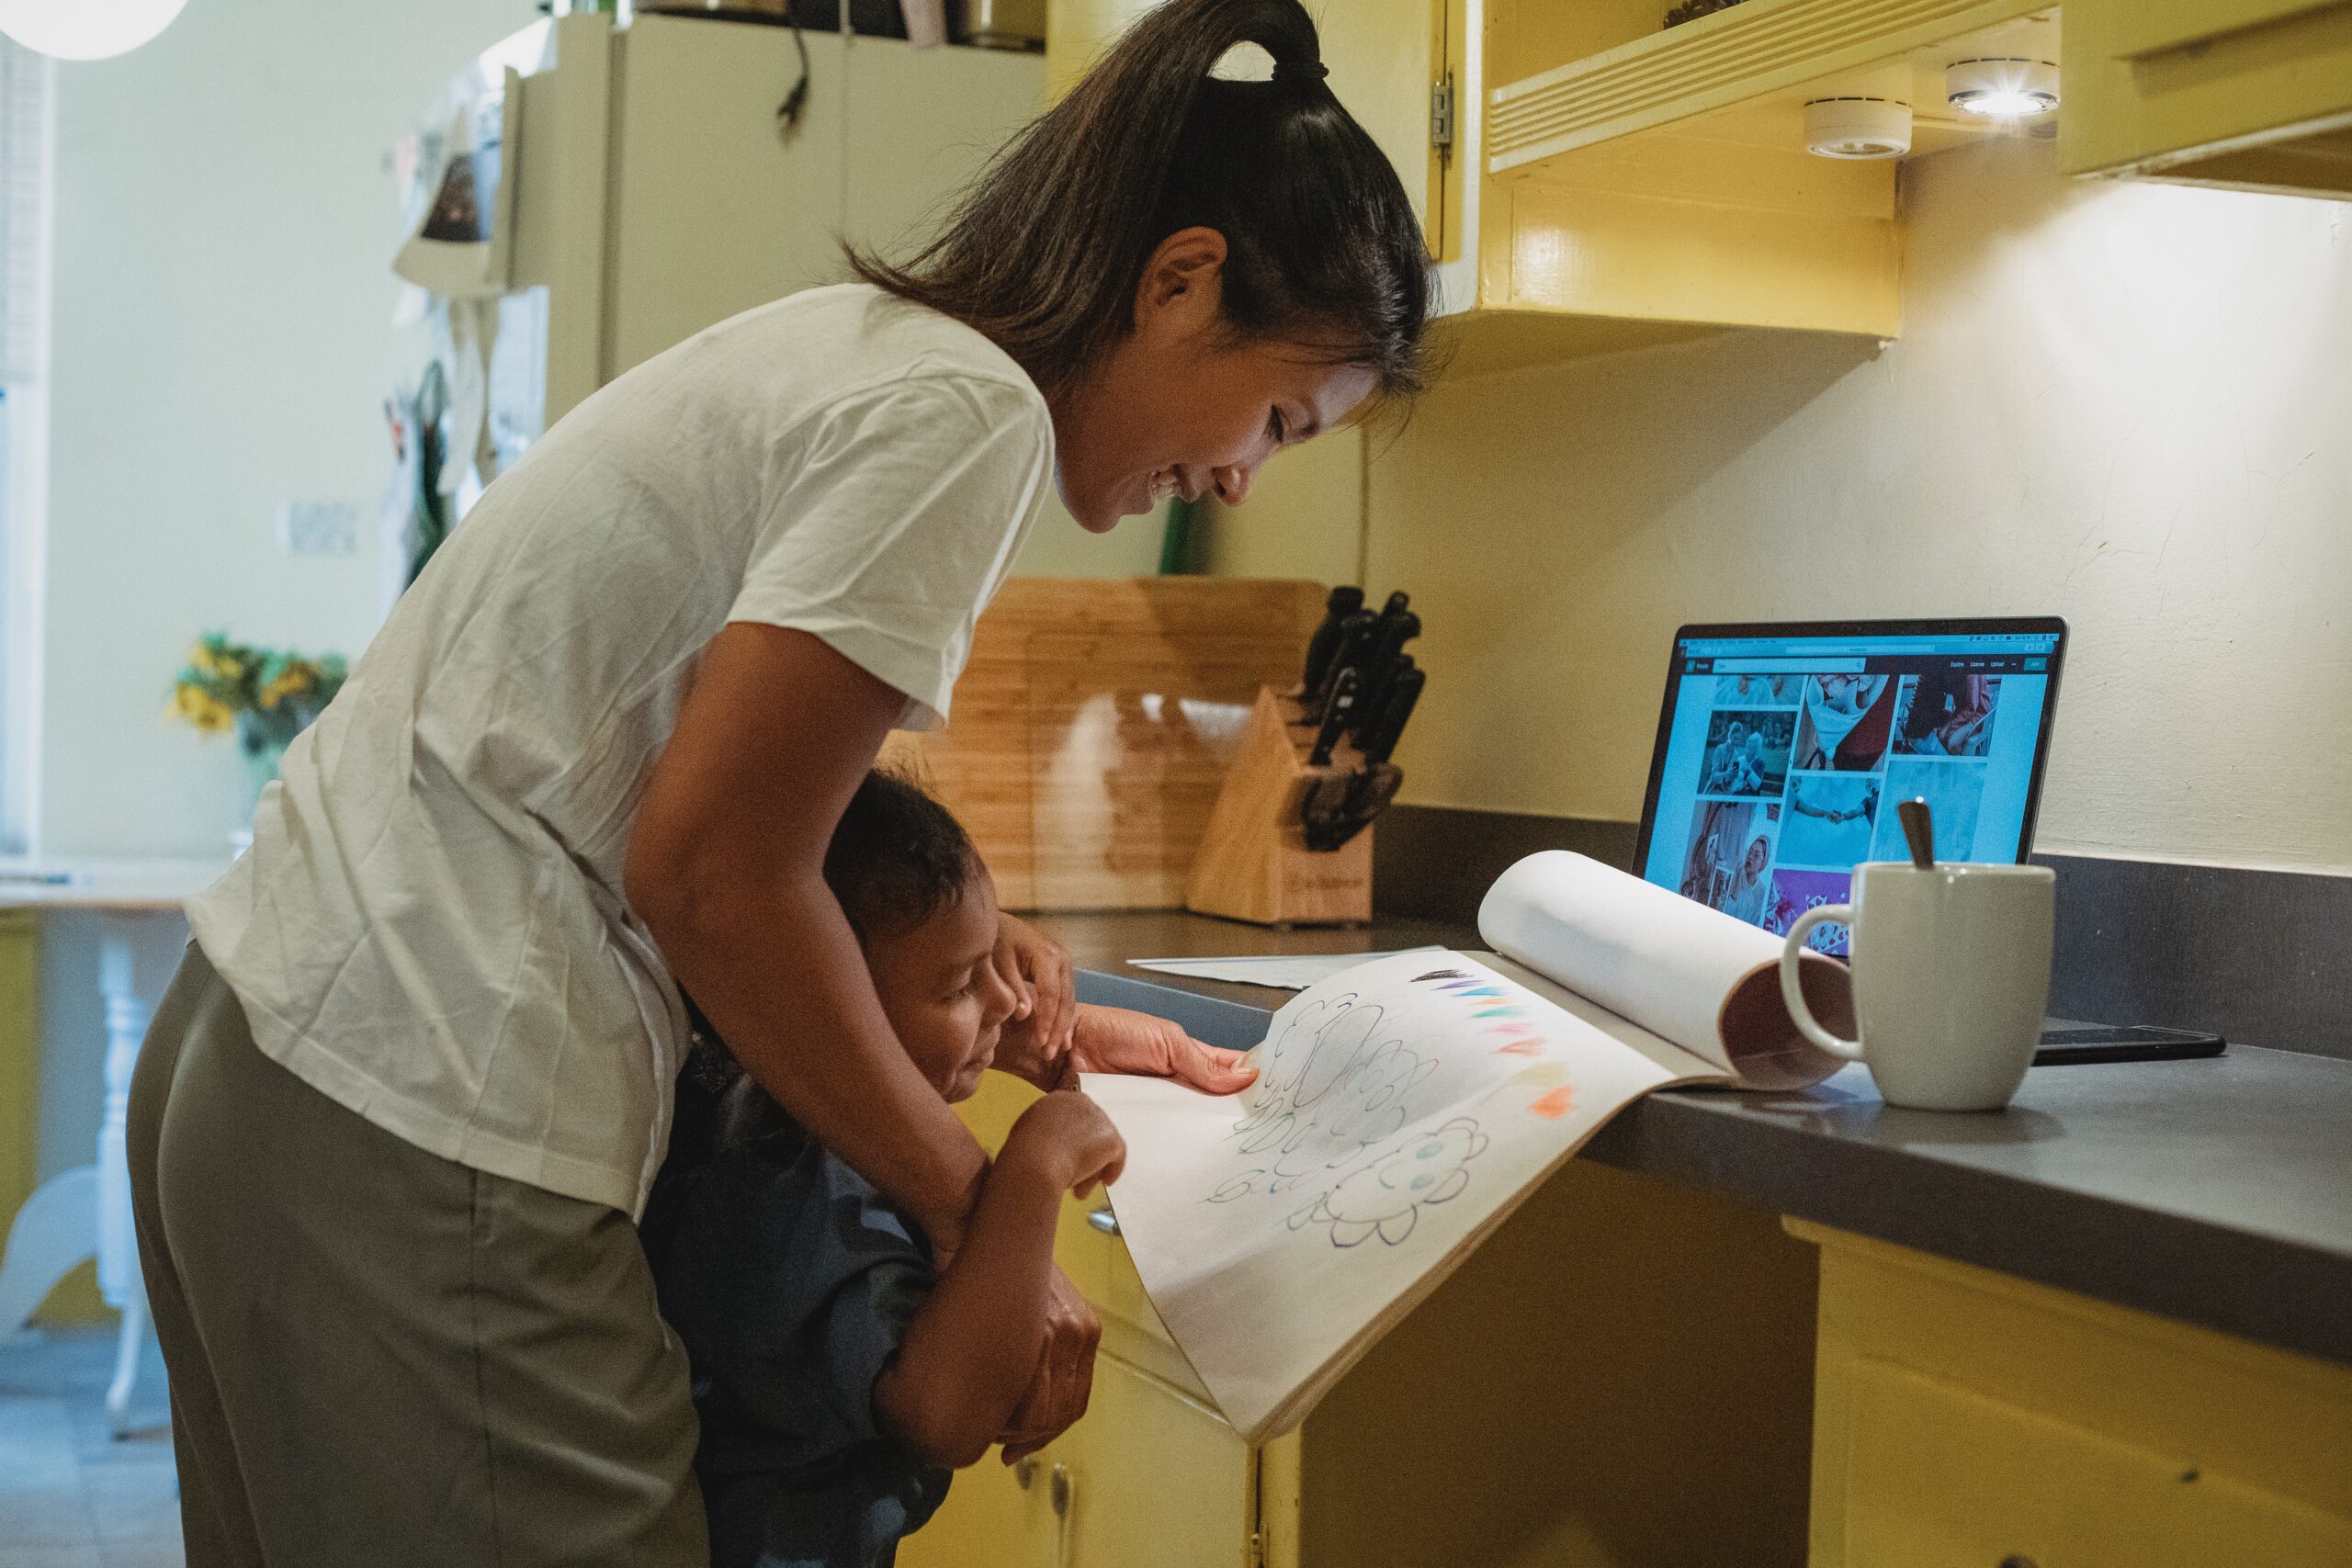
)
(2217, 1191)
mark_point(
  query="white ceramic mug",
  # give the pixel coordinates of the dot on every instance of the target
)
(1951, 979)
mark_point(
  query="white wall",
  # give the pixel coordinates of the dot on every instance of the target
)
(2127, 404)
(225, 221)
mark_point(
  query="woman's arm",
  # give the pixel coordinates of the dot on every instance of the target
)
(971, 1353)
(726, 868)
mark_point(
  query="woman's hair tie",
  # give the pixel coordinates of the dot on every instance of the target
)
(1300, 71)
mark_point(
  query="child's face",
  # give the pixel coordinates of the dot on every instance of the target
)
(940, 991)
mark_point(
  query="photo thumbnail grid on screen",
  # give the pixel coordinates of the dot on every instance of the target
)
(1784, 757)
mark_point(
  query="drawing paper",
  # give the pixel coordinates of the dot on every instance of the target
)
(1288, 972)
(1404, 1106)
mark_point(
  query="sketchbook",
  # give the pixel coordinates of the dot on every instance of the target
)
(1283, 972)
(1405, 1107)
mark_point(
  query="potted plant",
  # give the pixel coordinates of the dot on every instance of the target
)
(266, 697)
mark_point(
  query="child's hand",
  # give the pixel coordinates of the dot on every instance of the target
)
(1065, 1141)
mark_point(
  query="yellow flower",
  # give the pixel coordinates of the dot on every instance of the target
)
(197, 706)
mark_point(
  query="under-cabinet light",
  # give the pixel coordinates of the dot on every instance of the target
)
(1857, 128)
(2005, 88)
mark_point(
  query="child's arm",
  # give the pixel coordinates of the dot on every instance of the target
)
(972, 1351)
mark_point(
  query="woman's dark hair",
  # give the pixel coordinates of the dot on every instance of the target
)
(898, 857)
(1046, 253)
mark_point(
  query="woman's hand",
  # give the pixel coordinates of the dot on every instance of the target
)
(1038, 971)
(1112, 1040)
(1065, 1377)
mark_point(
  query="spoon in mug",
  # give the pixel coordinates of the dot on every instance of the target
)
(1919, 829)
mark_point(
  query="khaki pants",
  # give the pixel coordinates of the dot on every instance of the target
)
(380, 1356)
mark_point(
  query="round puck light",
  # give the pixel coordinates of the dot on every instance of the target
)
(1857, 128)
(2007, 89)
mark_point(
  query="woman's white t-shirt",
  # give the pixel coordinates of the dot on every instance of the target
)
(430, 927)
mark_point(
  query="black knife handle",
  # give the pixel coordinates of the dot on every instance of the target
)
(1330, 825)
(1320, 809)
(1344, 601)
(1378, 736)
(1355, 636)
(1335, 716)
(1380, 661)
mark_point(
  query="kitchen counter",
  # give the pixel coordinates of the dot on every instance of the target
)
(2216, 1191)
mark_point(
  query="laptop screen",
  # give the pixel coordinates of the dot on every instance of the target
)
(1782, 751)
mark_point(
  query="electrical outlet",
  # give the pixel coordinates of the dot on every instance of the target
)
(319, 528)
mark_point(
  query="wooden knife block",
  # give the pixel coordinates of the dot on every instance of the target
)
(1253, 862)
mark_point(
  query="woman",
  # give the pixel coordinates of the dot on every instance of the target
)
(398, 1111)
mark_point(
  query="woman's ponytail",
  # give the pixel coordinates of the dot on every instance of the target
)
(1044, 254)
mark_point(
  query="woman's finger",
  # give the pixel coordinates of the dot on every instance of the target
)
(1006, 960)
(1057, 996)
(1052, 980)
(1209, 1068)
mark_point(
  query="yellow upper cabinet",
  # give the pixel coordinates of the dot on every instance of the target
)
(2251, 94)
(1593, 179)
(1642, 182)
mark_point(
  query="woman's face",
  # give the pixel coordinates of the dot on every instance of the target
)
(1758, 854)
(941, 993)
(1177, 408)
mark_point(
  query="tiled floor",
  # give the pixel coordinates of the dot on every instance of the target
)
(70, 1496)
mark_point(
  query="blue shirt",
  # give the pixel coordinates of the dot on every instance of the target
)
(790, 1283)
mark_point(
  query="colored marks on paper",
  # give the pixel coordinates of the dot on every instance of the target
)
(1554, 1104)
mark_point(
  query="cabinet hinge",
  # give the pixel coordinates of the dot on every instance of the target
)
(1441, 112)
(1257, 1548)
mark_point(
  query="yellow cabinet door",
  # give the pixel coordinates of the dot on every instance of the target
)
(1966, 1419)
(2254, 94)
(995, 1517)
(1149, 1478)
(1152, 1478)
(1939, 1476)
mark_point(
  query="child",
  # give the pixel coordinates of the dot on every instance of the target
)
(840, 1377)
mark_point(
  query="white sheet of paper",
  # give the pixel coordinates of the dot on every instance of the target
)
(1402, 1110)
(1284, 971)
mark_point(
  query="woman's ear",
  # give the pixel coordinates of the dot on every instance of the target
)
(1183, 285)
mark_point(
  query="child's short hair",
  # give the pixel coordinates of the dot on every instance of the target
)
(898, 857)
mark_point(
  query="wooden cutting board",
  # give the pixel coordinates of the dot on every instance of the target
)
(1094, 725)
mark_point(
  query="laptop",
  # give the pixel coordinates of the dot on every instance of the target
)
(1782, 749)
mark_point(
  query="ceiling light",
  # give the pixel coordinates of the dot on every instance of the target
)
(2011, 88)
(1857, 128)
(85, 29)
